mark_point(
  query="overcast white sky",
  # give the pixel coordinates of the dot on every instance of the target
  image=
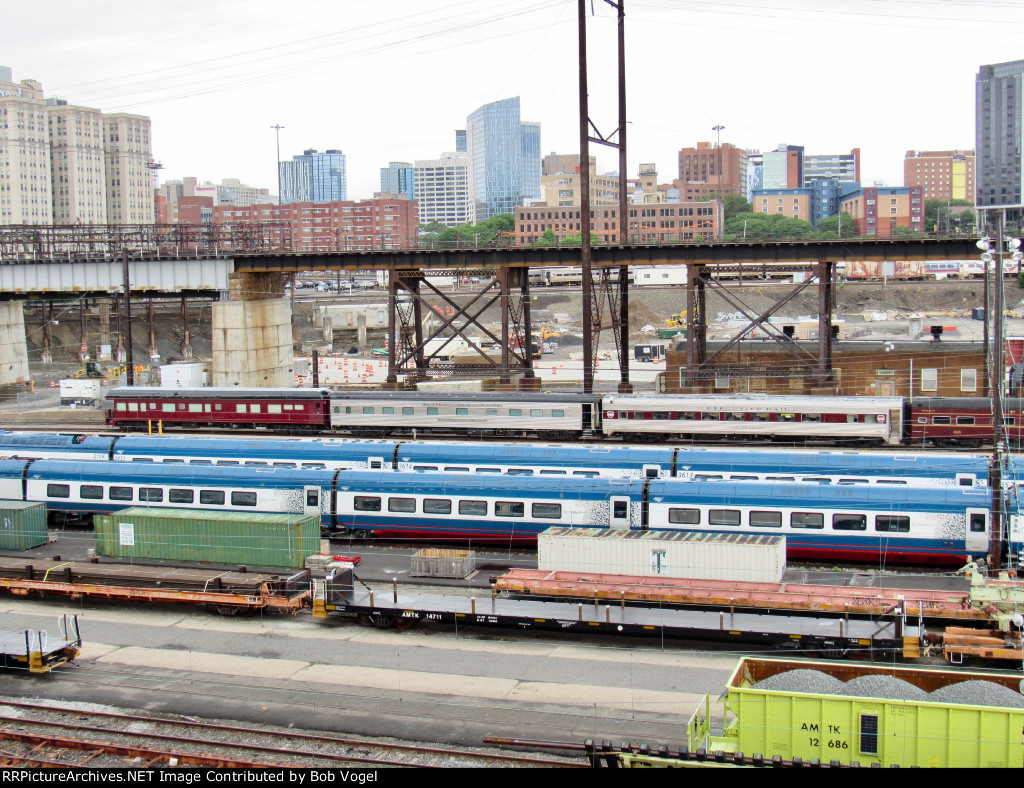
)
(391, 81)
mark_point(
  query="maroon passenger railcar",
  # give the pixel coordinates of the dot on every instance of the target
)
(286, 409)
(961, 421)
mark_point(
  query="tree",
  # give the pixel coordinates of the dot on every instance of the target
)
(939, 217)
(765, 227)
(899, 231)
(829, 229)
(547, 238)
(736, 204)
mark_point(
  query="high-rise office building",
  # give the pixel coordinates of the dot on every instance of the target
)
(841, 167)
(314, 177)
(442, 190)
(25, 175)
(77, 163)
(129, 174)
(708, 168)
(783, 168)
(398, 178)
(503, 156)
(999, 133)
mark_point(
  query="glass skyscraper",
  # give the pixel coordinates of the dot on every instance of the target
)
(398, 178)
(999, 128)
(314, 177)
(503, 159)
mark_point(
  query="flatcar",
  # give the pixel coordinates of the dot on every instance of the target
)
(938, 421)
(523, 459)
(874, 523)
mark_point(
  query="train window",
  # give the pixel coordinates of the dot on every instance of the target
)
(121, 494)
(852, 418)
(285, 465)
(240, 408)
(388, 411)
(759, 417)
(786, 417)
(437, 506)
(892, 481)
(552, 472)
(780, 478)
(143, 459)
(853, 481)
(536, 412)
(254, 408)
(519, 472)
(492, 411)
(558, 414)
(173, 460)
(662, 415)
(515, 412)
(941, 420)
(977, 522)
(288, 407)
(462, 411)
(314, 466)
(401, 504)
(477, 508)
(195, 407)
(90, 491)
(456, 469)
(807, 520)
(243, 499)
(742, 478)
(488, 470)
(509, 509)
(219, 406)
(408, 411)
(58, 491)
(922, 419)
(312, 497)
(812, 417)
(685, 416)
(546, 511)
(424, 467)
(620, 510)
(133, 407)
(228, 462)
(211, 497)
(1009, 421)
(684, 516)
(181, 496)
(709, 416)
(734, 417)
(964, 420)
(723, 517)
(277, 409)
(707, 476)
(366, 503)
(368, 410)
(892, 523)
(762, 519)
(255, 464)
(587, 474)
(817, 479)
(120, 406)
(849, 522)
(432, 411)
(151, 494)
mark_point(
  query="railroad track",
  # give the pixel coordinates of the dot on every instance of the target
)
(34, 734)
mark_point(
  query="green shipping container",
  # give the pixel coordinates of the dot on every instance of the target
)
(875, 715)
(22, 525)
(235, 538)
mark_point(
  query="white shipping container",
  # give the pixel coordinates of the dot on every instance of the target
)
(694, 555)
(183, 376)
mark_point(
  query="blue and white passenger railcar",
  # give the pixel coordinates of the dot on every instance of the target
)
(55, 446)
(83, 489)
(864, 523)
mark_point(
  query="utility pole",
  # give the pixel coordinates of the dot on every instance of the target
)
(277, 128)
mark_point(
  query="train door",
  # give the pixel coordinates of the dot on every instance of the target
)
(618, 512)
(977, 542)
(311, 501)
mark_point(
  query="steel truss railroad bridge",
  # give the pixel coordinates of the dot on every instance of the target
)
(709, 266)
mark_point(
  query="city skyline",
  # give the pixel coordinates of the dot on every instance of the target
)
(391, 83)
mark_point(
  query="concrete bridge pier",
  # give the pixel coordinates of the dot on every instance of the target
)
(13, 350)
(252, 333)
